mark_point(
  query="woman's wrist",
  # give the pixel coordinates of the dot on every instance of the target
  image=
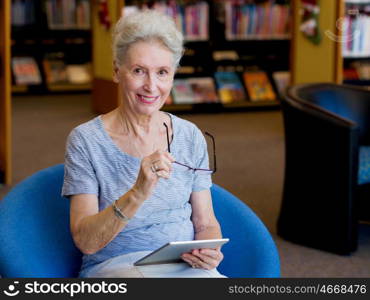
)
(128, 203)
(137, 195)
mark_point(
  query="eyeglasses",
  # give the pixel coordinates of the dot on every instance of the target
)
(196, 170)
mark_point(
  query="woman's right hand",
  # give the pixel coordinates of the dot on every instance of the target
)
(153, 167)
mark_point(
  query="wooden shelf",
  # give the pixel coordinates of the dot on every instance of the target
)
(19, 88)
(5, 94)
(222, 107)
(357, 82)
(178, 107)
(356, 56)
(69, 87)
(249, 104)
(259, 38)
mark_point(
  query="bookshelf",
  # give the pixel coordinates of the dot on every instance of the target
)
(356, 42)
(56, 35)
(265, 48)
(5, 98)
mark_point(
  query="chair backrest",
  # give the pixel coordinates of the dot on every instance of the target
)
(251, 251)
(348, 102)
(35, 239)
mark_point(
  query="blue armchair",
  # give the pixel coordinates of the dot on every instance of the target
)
(35, 240)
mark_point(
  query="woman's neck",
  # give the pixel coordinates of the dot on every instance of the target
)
(138, 137)
(138, 125)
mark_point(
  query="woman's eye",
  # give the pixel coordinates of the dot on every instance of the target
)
(138, 71)
(163, 72)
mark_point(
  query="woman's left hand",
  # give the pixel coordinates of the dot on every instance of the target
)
(204, 258)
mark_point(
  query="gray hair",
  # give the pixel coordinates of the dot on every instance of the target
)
(146, 25)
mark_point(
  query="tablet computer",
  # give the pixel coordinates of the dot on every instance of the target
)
(171, 252)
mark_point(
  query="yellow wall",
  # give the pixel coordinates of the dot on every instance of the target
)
(316, 63)
(102, 41)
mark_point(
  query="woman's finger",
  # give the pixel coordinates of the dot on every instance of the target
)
(207, 264)
(210, 261)
(162, 158)
(187, 261)
(162, 165)
(163, 174)
(215, 254)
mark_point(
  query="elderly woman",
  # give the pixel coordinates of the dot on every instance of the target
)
(127, 194)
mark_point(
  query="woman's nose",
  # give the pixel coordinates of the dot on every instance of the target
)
(150, 83)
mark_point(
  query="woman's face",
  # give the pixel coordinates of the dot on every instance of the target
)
(146, 76)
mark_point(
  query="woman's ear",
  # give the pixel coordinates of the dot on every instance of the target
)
(115, 72)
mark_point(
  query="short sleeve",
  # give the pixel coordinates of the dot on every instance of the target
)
(201, 181)
(79, 174)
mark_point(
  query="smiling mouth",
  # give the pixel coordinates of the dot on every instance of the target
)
(147, 99)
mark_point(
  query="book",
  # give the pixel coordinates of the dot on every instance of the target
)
(225, 55)
(79, 74)
(194, 90)
(182, 92)
(363, 69)
(203, 89)
(258, 86)
(55, 70)
(185, 70)
(356, 29)
(23, 13)
(350, 74)
(282, 81)
(260, 20)
(26, 71)
(68, 14)
(229, 87)
(192, 19)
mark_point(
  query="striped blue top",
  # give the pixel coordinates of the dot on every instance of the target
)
(94, 164)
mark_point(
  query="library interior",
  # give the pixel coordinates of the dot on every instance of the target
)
(283, 86)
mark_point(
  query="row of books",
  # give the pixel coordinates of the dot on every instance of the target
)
(191, 19)
(359, 70)
(61, 14)
(356, 2)
(227, 87)
(68, 14)
(266, 20)
(356, 35)
(26, 71)
(23, 12)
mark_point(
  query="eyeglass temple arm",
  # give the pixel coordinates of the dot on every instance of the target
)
(213, 144)
(176, 162)
(214, 151)
(168, 138)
